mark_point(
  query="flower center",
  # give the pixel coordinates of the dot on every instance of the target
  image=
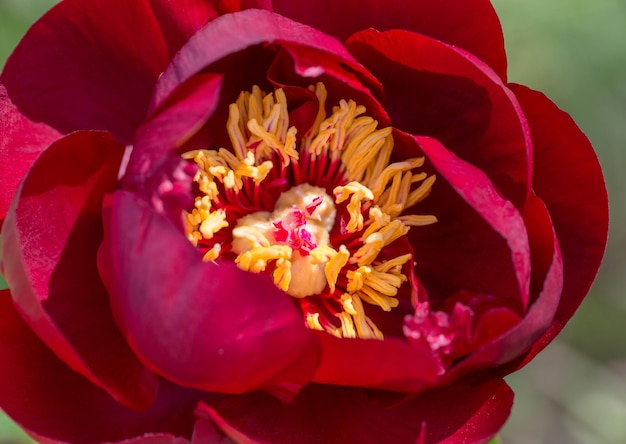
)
(337, 208)
(293, 235)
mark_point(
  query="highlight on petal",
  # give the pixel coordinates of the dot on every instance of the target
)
(391, 364)
(475, 235)
(49, 244)
(227, 38)
(547, 286)
(438, 90)
(22, 141)
(60, 405)
(463, 412)
(469, 24)
(564, 156)
(202, 325)
(167, 130)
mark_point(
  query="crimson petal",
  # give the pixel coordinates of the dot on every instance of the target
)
(93, 65)
(327, 414)
(55, 404)
(185, 111)
(438, 90)
(569, 180)
(548, 276)
(469, 24)
(201, 325)
(459, 250)
(180, 19)
(233, 33)
(50, 240)
(22, 141)
(391, 364)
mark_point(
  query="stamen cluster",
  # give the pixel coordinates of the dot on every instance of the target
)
(324, 251)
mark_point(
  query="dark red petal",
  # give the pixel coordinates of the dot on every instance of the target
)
(22, 141)
(547, 281)
(180, 19)
(50, 240)
(469, 24)
(489, 254)
(55, 404)
(391, 364)
(438, 90)
(93, 65)
(202, 325)
(234, 33)
(568, 178)
(461, 413)
(182, 114)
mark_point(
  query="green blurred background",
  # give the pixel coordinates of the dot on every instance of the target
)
(575, 52)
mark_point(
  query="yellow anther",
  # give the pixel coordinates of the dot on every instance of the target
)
(247, 168)
(356, 278)
(420, 193)
(393, 264)
(313, 321)
(365, 154)
(372, 297)
(380, 182)
(347, 325)
(320, 92)
(378, 219)
(213, 253)
(415, 220)
(357, 193)
(256, 259)
(213, 222)
(286, 150)
(253, 235)
(354, 322)
(375, 287)
(334, 260)
(282, 273)
(375, 242)
(234, 130)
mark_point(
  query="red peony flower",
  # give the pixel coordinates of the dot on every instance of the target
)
(281, 222)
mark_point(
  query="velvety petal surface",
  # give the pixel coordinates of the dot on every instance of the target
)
(166, 131)
(233, 40)
(438, 90)
(547, 280)
(93, 64)
(180, 19)
(469, 24)
(569, 180)
(391, 364)
(56, 404)
(21, 142)
(202, 325)
(461, 413)
(50, 240)
(479, 243)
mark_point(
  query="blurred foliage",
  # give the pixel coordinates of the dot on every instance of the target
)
(575, 52)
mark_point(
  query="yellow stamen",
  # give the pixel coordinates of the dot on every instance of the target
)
(293, 240)
(359, 193)
(213, 222)
(334, 260)
(256, 259)
(375, 242)
(213, 253)
(354, 318)
(313, 321)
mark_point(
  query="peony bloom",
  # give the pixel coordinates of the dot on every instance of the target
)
(275, 221)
